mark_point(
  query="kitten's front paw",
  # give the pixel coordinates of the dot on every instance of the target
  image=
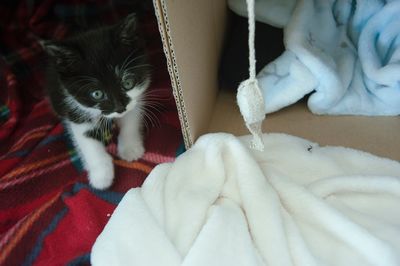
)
(130, 151)
(101, 176)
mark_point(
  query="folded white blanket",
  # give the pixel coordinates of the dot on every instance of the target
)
(346, 53)
(295, 204)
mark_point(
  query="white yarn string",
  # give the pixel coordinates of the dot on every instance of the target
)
(249, 96)
(252, 50)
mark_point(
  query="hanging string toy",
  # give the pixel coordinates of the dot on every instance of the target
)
(249, 96)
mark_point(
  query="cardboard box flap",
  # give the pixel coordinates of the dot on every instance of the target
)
(192, 34)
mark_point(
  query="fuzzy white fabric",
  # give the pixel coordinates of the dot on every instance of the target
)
(346, 53)
(296, 203)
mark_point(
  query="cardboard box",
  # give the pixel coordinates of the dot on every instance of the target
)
(192, 32)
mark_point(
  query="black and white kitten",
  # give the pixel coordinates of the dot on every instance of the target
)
(94, 79)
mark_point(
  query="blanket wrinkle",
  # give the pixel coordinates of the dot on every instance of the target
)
(221, 203)
(344, 52)
(331, 221)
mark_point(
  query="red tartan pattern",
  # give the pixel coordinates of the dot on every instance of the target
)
(48, 213)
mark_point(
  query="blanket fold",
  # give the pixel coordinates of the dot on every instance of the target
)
(344, 53)
(295, 203)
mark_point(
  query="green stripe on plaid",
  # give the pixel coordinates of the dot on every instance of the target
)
(4, 113)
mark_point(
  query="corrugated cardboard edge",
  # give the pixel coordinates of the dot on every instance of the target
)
(163, 25)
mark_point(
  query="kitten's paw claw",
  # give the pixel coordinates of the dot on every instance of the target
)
(102, 176)
(130, 152)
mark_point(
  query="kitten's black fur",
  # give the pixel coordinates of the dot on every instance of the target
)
(88, 62)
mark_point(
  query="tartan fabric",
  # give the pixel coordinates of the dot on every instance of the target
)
(48, 213)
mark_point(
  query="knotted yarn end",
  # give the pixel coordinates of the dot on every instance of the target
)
(251, 105)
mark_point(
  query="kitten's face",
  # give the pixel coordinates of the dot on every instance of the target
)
(104, 71)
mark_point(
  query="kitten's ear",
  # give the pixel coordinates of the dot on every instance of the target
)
(127, 29)
(62, 54)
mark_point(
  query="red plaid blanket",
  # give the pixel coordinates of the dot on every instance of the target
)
(48, 213)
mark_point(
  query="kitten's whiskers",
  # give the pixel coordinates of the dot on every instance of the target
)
(148, 110)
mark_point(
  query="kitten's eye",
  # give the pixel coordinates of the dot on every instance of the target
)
(97, 95)
(127, 84)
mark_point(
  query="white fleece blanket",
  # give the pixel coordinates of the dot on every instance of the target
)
(222, 204)
(346, 53)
